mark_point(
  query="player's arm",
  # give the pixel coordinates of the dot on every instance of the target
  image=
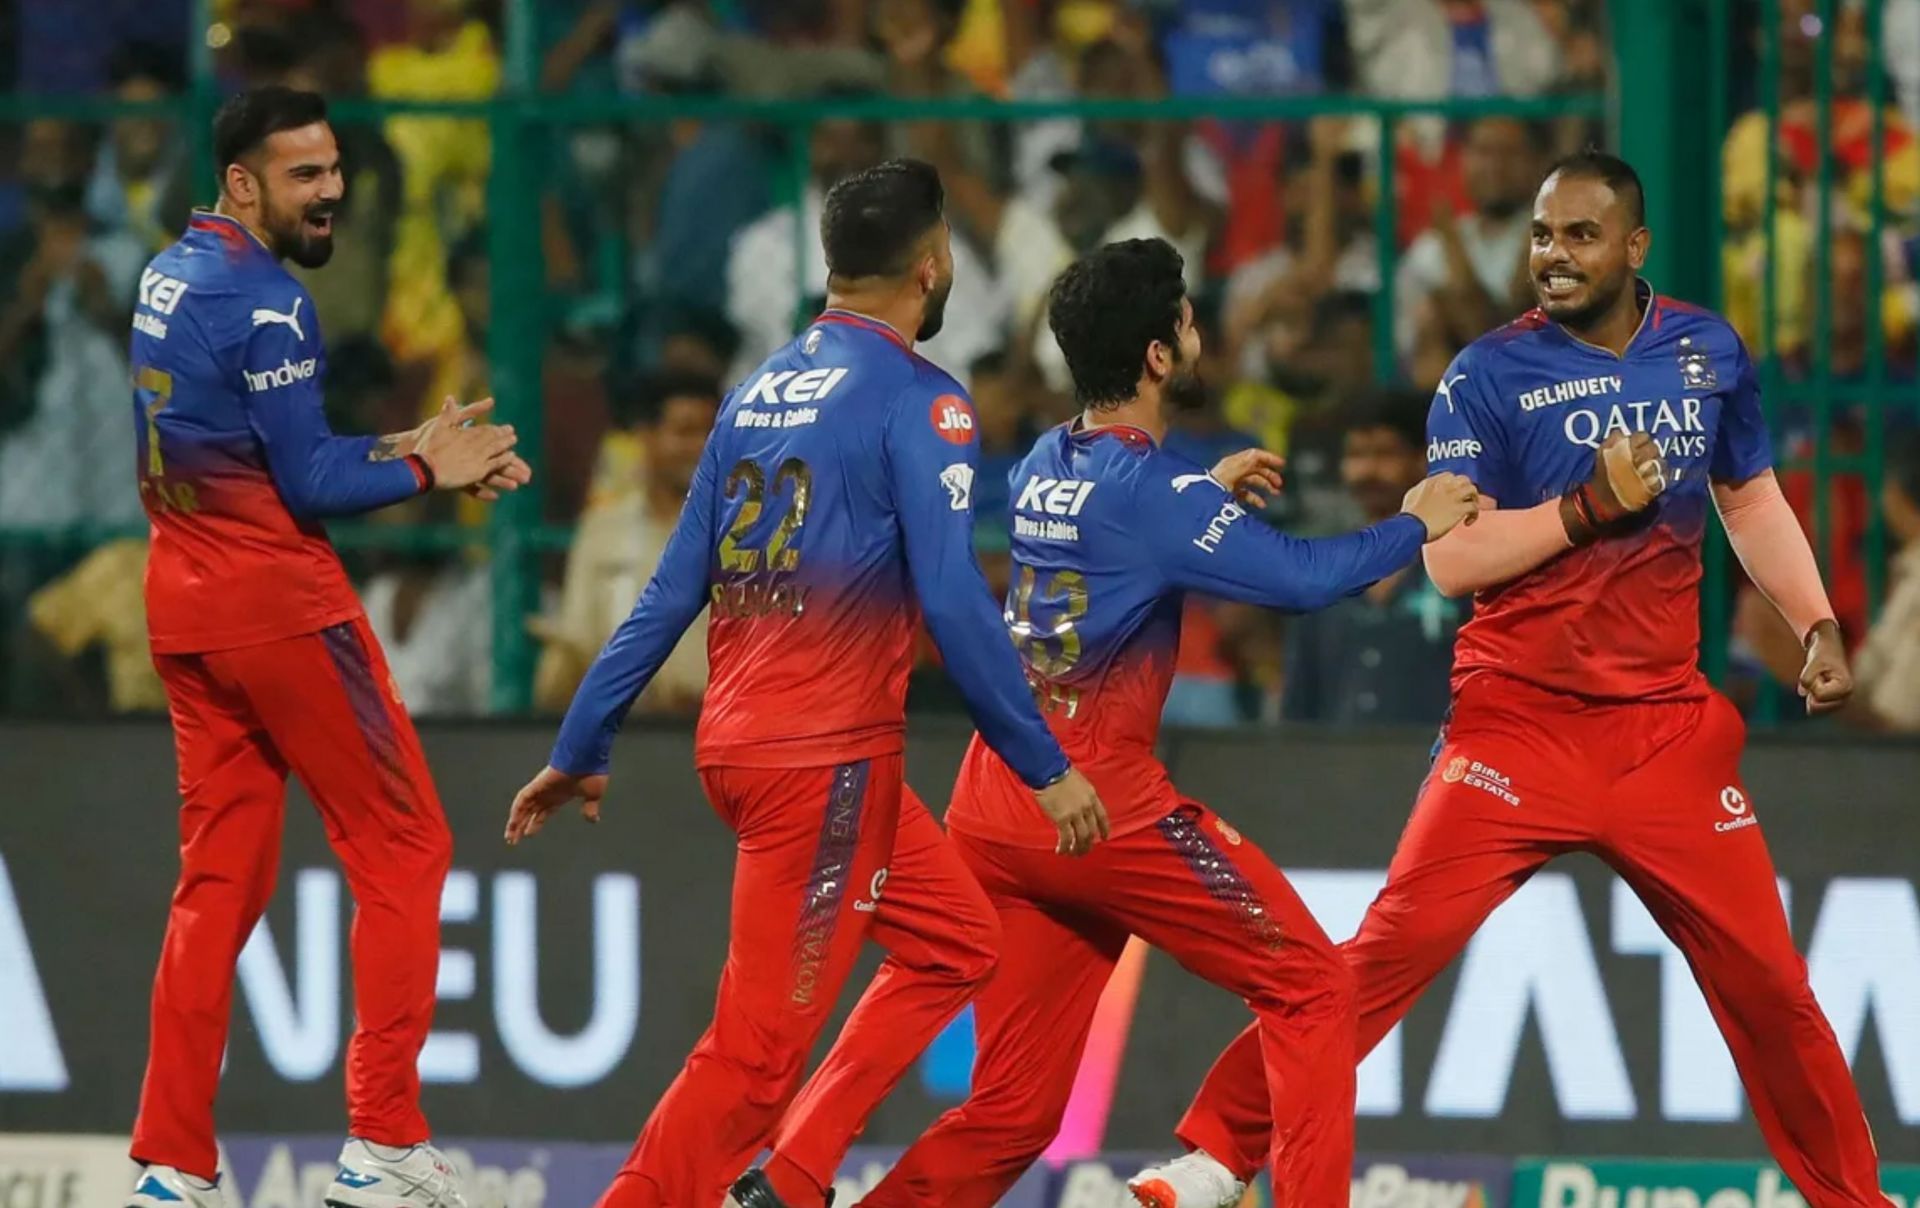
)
(319, 474)
(1767, 538)
(1203, 541)
(1466, 436)
(671, 600)
(673, 597)
(932, 484)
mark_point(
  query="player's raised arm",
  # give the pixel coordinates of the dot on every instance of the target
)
(1203, 539)
(319, 474)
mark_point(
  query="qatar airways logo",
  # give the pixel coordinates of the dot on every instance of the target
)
(1675, 426)
(287, 374)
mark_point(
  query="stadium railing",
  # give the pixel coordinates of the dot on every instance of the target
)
(1674, 141)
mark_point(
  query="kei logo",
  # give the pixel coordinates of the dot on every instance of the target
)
(952, 419)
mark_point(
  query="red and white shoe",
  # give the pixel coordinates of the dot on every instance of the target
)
(1192, 1180)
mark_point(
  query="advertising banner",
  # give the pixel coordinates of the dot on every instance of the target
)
(578, 968)
(1650, 1183)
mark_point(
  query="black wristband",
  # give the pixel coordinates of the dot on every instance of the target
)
(422, 471)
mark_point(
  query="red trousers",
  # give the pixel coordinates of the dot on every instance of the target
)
(828, 857)
(1654, 790)
(1193, 887)
(322, 705)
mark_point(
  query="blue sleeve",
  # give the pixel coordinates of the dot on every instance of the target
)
(931, 472)
(1202, 541)
(1742, 448)
(672, 599)
(1464, 435)
(317, 473)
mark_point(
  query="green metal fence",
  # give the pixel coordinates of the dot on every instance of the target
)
(1669, 115)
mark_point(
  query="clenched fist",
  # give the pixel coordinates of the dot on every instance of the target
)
(1628, 475)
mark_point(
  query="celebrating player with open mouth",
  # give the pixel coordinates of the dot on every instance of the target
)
(1606, 420)
(1109, 531)
(267, 658)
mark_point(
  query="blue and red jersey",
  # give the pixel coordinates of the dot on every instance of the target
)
(1110, 531)
(236, 463)
(1520, 412)
(833, 505)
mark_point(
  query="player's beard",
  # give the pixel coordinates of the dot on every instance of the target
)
(1185, 389)
(294, 237)
(1580, 313)
(935, 316)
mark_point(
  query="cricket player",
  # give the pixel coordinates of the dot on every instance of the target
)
(1602, 425)
(267, 659)
(833, 501)
(1109, 531)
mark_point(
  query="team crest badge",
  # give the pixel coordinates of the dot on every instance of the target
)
(1696, 368)
(1226, 831)
(811, 344)
(1456, 771)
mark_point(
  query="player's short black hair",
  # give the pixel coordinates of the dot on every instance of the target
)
(1398, 409)
(248, 119)
(1107, 307)
(1610, 170)
(874, 220)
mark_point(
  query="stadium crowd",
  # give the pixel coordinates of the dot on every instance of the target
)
(669, 258)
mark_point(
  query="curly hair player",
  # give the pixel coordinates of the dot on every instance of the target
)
(1109, 531)
(1607, 419)
(267, 659)
(837, 488)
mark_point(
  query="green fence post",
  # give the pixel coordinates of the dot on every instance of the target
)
(1876, 400)
(515, 342)
(202, 98)
(1665, 118)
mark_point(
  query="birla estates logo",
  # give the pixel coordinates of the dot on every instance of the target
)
(1482, 776)
(952, 419)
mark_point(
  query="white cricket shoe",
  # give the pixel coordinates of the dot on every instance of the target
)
(166, 1187)
(385, 1176)
(1192, 1180)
